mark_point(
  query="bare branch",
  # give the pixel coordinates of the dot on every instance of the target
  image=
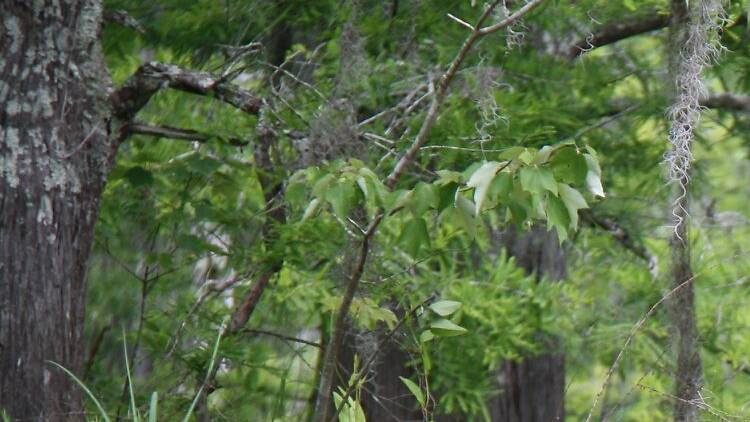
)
(616, 31)
(152, 76)
(442, 88)
(623, 237)
(280, 336)
(727, 101)
(528, 7)
(123, 18)
(177, 133)
(460, 22)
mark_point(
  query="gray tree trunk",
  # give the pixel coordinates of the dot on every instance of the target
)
(384, 397)
(55, 153)
(533, 389)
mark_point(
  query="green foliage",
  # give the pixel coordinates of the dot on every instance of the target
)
(525, 137)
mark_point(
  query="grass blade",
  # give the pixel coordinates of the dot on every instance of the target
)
(85, 389)
(208, 373)
(133, 408)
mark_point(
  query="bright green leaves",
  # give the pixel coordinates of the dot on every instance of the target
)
(525, 184)
(415, 390)
(445, 307)
(414, 235)
(446, 328)
(594, 175)
(532, 184)
(557, 216)
(573, 201)
(441, 326)
(343, 186)
(536, 180)
(481, 180)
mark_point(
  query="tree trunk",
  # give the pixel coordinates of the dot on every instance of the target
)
(54, 158)
(384, 397)
(533, 389)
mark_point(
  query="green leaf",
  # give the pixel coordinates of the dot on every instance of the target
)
(153, 407)
(465, 211)
(321, 185)
(426, 336)
(415, 390)
(480, 180)
(375, 189)
(85, 390)
(594, 176)
(446, 328)
(414, 235)
(445, 307)
(399, 199)
(502, 186)
(133, 407)
(527, 156)
(342, 197)
(425, 196)
(569, 166)
(448, 177)
(351, 411)
(573, 201)
(557, 217)
(312, 207)
(537, 180)
(138, 176)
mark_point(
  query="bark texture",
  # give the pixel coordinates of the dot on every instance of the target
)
(533, 389)
(384, 396)
(55, 153)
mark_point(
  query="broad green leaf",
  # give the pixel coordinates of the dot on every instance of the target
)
(425, 196)
(342, 197)
(527, 156)
(415, 390)
(557, 217)
(139, 176)
(362, 183)
(351, 410)
(399, 199)
(321, 185)
(537, 180)
(511, 153)
(569, 166)
(375, 188)
(480, 180)
(448, 177)
(573, 201)
(446, 328)
(465, 211)
(445, 307)
(312, 207)
(414, 235)
(502, 185)
(426, 336)
(594, 176)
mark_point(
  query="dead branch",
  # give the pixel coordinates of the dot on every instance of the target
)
(135, 93)
(613, 32)
(171, 132)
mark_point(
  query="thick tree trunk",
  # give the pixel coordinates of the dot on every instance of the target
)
(54, 158)
(533, 389)
(384, 396)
